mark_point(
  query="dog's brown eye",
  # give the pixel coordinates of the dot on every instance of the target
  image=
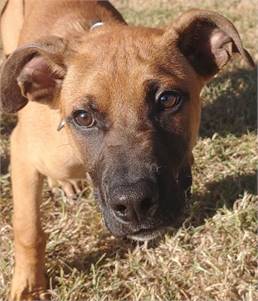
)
(170, 99)
(83, 118)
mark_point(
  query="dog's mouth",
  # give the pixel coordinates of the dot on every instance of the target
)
(147, 234)
(152, 228)
(148, 228)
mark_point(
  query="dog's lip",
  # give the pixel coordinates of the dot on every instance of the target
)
(147, 234)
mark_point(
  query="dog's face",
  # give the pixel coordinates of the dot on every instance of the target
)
(130, 101)
(134, 117)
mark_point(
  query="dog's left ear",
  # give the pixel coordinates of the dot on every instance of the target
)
(208, 41)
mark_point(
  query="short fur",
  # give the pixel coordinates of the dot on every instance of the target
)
(138, 154)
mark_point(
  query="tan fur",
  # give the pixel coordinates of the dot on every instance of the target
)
(58, 162)
(38, 149)
(11, 24)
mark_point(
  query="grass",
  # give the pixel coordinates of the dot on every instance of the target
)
(212, 256)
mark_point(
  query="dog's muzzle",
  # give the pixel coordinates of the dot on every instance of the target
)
(138, 200)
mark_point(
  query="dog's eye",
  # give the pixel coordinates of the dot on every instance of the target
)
(83, 118)
(170, 99)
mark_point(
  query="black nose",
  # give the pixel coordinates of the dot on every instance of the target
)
(135, 202)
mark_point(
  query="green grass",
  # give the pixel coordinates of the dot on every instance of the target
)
(212, 256)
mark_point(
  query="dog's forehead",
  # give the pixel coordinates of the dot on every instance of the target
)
(114, 66)
(118, 47)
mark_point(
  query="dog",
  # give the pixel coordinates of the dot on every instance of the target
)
(118, 103)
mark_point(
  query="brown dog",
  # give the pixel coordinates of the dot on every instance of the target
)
(117, 102)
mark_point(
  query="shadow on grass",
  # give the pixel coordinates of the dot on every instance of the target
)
(230, 104)
(104, 249)
(219, 194)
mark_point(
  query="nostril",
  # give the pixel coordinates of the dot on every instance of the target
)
(120, 209)
(135, 202)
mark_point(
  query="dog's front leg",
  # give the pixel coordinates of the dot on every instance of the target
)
(29, 281)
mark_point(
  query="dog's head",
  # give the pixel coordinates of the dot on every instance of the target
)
(129, 97)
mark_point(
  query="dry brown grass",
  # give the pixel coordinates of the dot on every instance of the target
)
(212, 255)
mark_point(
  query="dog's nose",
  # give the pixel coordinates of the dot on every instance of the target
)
(135, 202)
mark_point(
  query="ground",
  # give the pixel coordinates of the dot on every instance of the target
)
(212, 256)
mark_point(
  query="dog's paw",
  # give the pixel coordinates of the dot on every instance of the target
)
(28, 288)
(71, 188)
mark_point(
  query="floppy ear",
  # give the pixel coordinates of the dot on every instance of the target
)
(208, 41)
(33, 72)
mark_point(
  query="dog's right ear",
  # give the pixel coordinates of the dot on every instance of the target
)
(33, 72)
